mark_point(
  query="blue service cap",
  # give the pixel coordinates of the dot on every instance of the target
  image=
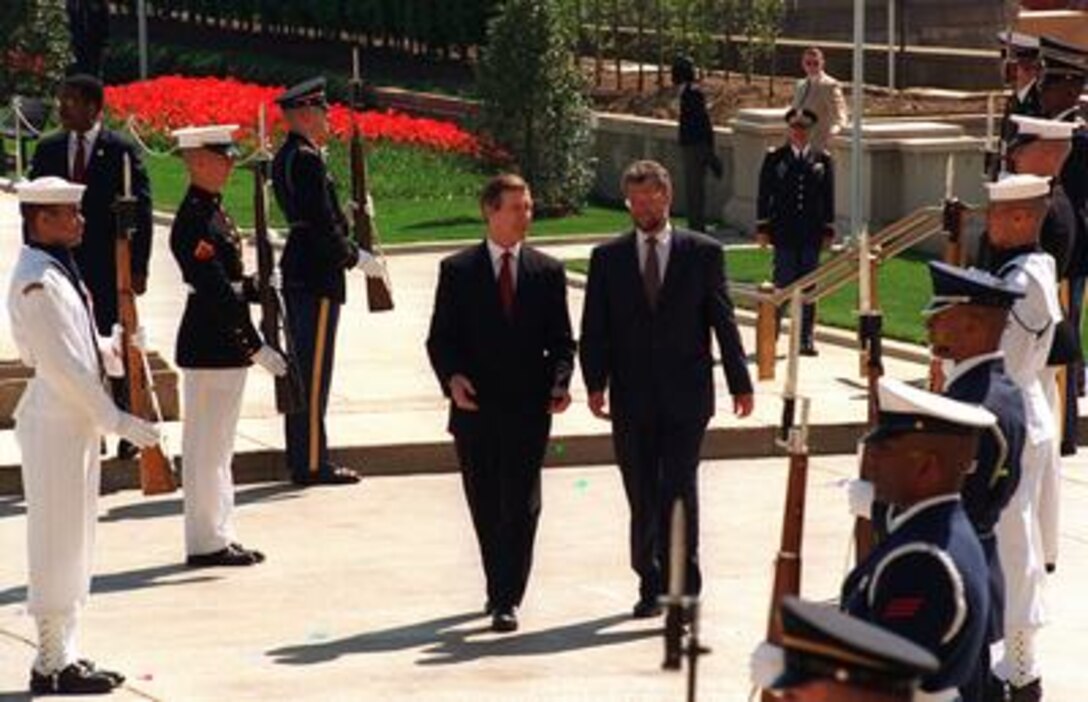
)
(820, 642)
(953, 285)
(308, 93)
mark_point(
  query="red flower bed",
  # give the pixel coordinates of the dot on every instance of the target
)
(170, 102)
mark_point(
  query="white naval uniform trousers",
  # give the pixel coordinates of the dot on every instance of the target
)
(58, 424)
(213, 402)
(1026, 343)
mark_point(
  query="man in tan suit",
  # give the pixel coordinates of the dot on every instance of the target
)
(821, 94)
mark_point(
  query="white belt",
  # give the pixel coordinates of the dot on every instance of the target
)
(238, 288)
(949, 695)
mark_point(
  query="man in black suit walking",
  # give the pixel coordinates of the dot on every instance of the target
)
(501, 346)
(653, 298)
(85, 151)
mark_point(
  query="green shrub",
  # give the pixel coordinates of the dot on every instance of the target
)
(35, 50)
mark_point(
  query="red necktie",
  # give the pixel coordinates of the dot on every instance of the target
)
(79, 164)
(506, 284)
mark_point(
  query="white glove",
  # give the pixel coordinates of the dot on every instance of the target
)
(271, 360)
(138, 431)
(110, 350)
(275, 279)
(369, 265)
(860, 495)
(140, 339)
(369, 206)
(766, 663)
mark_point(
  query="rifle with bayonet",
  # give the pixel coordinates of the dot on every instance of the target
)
(289, 388)
(793, 436)
(379, 293)
(681, 609)
(156, 469)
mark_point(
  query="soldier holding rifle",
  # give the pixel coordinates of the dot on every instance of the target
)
(317, 253)
(58, 426)
(216, 344)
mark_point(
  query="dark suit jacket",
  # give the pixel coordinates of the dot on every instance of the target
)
(96, 256)
(657, 365)
(515, 363)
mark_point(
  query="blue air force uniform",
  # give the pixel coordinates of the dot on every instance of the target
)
(796, 209)
(927, 580)
(317, 254)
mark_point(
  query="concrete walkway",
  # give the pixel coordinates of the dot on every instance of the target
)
(373, 592)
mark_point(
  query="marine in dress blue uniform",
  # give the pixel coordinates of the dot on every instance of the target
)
(966, 317)
(216, 344)
(927, 581)
(315, 258)
(796, 210)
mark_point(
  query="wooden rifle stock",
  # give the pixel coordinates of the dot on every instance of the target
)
(156, 471)
(290, 390)
(787, 565)
(379, 296)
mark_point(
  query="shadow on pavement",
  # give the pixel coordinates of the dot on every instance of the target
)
(124, 581)
(152, 509)
(443, 644)
(11, 506)
(15, 697)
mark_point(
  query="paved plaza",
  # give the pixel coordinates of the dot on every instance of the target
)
(374, 592)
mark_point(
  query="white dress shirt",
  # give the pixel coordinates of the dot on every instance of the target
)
(664, 238)
(89, 138)
(497, 251)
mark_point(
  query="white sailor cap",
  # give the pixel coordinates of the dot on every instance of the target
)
(49, 190)
(1021, 186)
(907, 409)
(1036, 127)
(217, 137)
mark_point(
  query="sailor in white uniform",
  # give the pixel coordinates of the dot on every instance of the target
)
(59, 425)
(1018, 205)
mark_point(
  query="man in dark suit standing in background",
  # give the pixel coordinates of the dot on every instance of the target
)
(501, 346)
(84, 151)
(696, 137)
(653, 297)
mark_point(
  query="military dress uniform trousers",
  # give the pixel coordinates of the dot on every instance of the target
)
(213, 401)
(790, 264)
(61, 475)
(1049, 505)
(312, 322)
(695, 158)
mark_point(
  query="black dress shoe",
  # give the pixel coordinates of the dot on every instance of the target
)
(504, 620)
(232, 555)
(1050, 568)
(75, 679)
(646, 608)
(89, 665)
(1032, 692)
(337, 476)
(809, 350)
(127, 450)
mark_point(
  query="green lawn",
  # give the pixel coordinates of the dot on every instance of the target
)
(903, 284)
(418, 196)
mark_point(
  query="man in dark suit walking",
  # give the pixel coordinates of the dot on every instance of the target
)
(85, 151)
(501, 346)
(653, 298)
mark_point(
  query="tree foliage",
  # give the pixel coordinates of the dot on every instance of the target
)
(534, 103)
(37, 49)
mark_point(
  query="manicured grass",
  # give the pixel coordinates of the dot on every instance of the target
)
(418, 195)
(903, 286)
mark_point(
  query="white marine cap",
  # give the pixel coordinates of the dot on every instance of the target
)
(907, 409)
(214, 136)
(1043, 128)
(49, 190)
(1021, 186)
